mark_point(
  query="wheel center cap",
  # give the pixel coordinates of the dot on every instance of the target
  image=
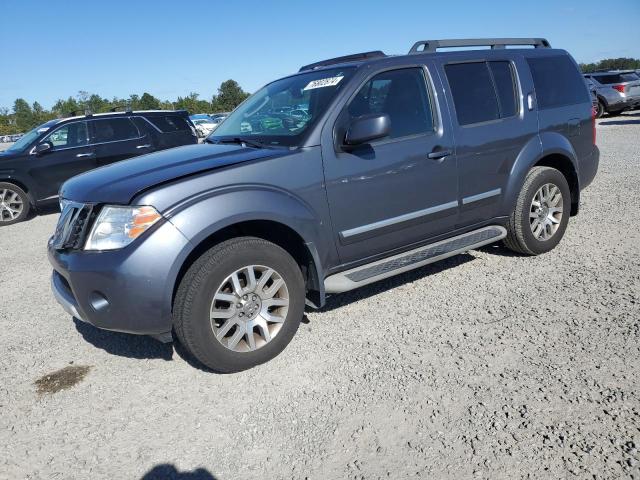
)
(250, 306)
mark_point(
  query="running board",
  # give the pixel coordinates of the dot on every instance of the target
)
(403, 262)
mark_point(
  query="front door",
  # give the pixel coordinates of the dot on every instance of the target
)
(390, 193)
(70, 155)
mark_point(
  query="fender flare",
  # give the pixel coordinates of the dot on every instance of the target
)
(228, 206)
(535, 150)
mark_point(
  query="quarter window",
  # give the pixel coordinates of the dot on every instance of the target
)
(170, 123)
(113, 130)
(401, 94)
(69, 136)
(557, 81)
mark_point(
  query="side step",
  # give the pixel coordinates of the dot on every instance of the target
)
(403, 262)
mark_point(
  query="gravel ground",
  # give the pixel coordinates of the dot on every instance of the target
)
(487, 365)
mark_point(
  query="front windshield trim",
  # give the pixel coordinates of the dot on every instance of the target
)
(285, 112)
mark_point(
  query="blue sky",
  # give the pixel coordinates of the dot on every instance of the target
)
(171, 48)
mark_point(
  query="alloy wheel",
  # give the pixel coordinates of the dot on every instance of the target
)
(546, 211)
(249, 308)
(11, 205)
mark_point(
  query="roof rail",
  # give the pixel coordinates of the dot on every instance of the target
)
(344, 59)
(429, 46)
(79, 112)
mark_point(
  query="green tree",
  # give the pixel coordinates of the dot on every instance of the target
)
(192, 104)
(148, 102)
(229, 96)
(621, 63)
(23, 115)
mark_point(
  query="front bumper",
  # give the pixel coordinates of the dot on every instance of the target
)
(128, 290)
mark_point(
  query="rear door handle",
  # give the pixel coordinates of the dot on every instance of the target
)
(439, 154)
(144, 146)
(81, 155)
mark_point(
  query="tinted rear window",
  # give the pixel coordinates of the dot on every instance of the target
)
(170, 123)
(114, 129)
(557, 81)
(505, 86)
(473, 93)
(616, 78)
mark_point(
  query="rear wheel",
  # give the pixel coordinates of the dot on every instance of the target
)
(600, 110)
(541, 214)
(14, 204)
(240, 304)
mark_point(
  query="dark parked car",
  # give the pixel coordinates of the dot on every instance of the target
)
(399, 162)
(616, 91)
(33, 169)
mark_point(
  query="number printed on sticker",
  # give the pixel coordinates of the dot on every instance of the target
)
(323, 82)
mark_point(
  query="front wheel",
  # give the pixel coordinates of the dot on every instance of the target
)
(541, 214)
(14, 204)
(240, 304)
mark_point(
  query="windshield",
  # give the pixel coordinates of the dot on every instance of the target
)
(29, 137)
(280, 113)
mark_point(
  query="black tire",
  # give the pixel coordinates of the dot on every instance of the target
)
(195, 293)
(520, 237)
(11, 189)
(600, 110)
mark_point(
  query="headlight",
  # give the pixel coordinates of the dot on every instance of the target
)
(116, 227)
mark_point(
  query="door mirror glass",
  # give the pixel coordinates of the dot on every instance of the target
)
(366, 128)
(43, 148)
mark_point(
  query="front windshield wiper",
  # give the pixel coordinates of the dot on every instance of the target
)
(239, 141)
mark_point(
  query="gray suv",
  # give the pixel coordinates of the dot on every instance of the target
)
(616, 91)
(400, 161)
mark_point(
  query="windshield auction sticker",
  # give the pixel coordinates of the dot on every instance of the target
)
(323, 82)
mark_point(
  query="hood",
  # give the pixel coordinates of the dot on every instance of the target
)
(120, 182)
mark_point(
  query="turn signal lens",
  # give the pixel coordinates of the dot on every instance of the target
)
(619, 88)
(143, 219)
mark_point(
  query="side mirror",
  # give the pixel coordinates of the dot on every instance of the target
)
(43, 148)
(367, 128)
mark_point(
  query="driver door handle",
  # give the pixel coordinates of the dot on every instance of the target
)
(81, 155)
(144, 146)
(439, 154)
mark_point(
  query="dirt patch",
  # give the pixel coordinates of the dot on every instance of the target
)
(61, 379)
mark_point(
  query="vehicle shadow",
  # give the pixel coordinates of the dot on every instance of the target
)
(343, 299)
(166, 471)
(49, 209)
(124, 344)
(620, 122)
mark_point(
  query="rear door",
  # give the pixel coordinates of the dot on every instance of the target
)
(116, 139)
(70, 155)
(491, 126)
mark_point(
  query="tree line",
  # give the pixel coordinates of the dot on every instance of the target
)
(621, 63)
(23, 117)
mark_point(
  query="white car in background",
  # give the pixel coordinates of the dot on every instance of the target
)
(204, 126)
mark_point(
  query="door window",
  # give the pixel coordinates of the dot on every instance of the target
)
(401, 94)
(69, 136)
(114, 130)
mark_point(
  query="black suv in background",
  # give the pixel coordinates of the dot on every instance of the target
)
(33, 169)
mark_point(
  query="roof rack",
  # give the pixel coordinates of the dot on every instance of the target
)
(79, 112)
(344, 59)
(125, 108)
(429, 46)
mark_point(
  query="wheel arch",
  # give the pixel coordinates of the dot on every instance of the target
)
(22, 185)
(304, 253)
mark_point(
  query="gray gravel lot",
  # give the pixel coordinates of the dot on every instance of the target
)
(487, 365)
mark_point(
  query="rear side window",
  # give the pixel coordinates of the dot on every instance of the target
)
(473, 94)
(401, 94)
(113, 130)
(506, 87)
(557, 81)
(169, 123)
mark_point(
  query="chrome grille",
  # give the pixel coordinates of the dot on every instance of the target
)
(72, 226)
